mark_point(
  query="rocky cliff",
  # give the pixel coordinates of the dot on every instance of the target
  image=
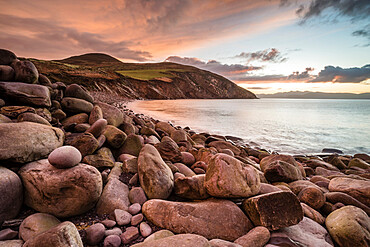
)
(101, 72)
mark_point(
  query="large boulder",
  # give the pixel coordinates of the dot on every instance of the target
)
(155, 176)
(349, 226)
(183, 240)
(25, 71)
(36, 224)
(114, 196)
(169, 150)
(358, 189)
(7, 57)
(32, 117)
(230, 178)
(306, 233)
(11, 192)
(211, 218)
(76, 91)
(76, 105)
(112, 114)
(132, 145)
(23, 93)
(61, 192)
(274, 210)
(62, 235)
(281, 168)
(191, 187)
(26, 141)
(6, 73)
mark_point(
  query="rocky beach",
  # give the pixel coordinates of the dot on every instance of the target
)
(77, 168)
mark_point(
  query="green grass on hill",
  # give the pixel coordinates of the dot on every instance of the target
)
(149, 74)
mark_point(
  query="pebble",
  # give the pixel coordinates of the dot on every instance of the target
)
(95, 234)
(65, 157)
(112, 241)
(122, 217)
(145, 229)
(108, 223)
(135, 220)
(8, 234)
(134, 208)
(115, 231)
(129, 235)
(137, 195)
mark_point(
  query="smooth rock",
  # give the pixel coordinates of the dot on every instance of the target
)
(222, 243)
(12, 243)
(274, 210)
(159, 235)
(184, 170)
(211, 218)
(164, 126)
(169, 150)
(130, 235)
(219, 145)
(306, 233)
(65, 157)
(7, 57)
(114, 196)
(245, 181)
(62, 235)
(122, 217)
(111, 113)
(257, 237)
(357, 162)
(136, 219)
(312, 214)
(112, 241)
(349, 226)
(11, 191)
(114, 136)
(145, 229)
(108, 223)
(15, 111)
(335, 197)
(137, 195)
(155, 176)
(281, 168)
(7, 234)
(76, 91)
(61, 192)
(312, 196)
(95, 114)
(28, 94)
(183, 240)
(74, 120)
(76, 105)
(36, 224)
(191, 187)
(25, 71)
(134, 208)
(132, 145)
(6, 73)
(115, 231)
(32, 117)
(43, 80)
(187, 158)
(97, 128)
(79, 128)
(358, 189)
(86, 144)
(95, 234)
(5, 119)
(102, 158)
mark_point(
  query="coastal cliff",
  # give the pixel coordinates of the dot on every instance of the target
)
(103, 73)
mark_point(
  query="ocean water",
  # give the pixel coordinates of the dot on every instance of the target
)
(292, 126)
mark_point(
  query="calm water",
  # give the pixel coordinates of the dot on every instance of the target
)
(292, 126)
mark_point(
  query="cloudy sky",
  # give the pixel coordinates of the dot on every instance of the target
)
(266, 46)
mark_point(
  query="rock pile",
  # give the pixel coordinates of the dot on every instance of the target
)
(65, 158)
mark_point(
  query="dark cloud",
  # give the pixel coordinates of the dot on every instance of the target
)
(46, 37)
(343, 75)
(258, 88)
(301, 76)
(356, 9)
(214, 66)
(267, 55)
(263, 78)
(365, 32)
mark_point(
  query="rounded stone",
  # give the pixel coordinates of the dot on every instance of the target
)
(76, 91)
(97, 127)
(32, 117)
(312, 196)
(134, 208)
(76, 105)
(145, 229)
(95, 234)
(6, 73)
(25, 71)
(112, 241)
(35, 224)
(65, 157)
(7, 57)
(257, 237)
(95, 114)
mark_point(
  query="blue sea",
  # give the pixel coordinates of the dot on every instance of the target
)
(292, 126)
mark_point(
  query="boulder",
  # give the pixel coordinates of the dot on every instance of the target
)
(112, 114)
(211, 218)
(335, 197)
(28, 94)
(137, 195)
(7, 57)
(306, 233)
(97, 127)
(32, 117)
(187, 158)
(86, 144)
(165, 127)
(349, 226)
(357, 162)
(12, 243)
(36, 224)
(114, 196)
(11, 192)
(75, 105)
(7, 234)
(179, 136)
(95, 114)
(159, 235)
(61, 192)
(184, 170)
(274, 210)
(222, 243)
(230, 178)
(15, 111)
(102, 158)
(281, 168)
(312, 196)
(312, 214)
(76, 91)
(220, 145)
(5, 119)
(43, 80)
(183, 240)
(6, 73)
(191, 187)
(358, 189)
(132, 145)
(257, 237)
(169, 150)
(62, 235)
(74, 120)
(65, 157)
(155, 176)
(131, 233)
(26, 141)
(114, 136)
(25, 71)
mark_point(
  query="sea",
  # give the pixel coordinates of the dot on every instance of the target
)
(289, 126)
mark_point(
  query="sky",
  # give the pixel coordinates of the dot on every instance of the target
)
(266, 46)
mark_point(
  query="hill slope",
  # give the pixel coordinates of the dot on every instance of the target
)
(101, 72)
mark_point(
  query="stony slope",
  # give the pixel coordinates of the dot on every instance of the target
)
(101, 72)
